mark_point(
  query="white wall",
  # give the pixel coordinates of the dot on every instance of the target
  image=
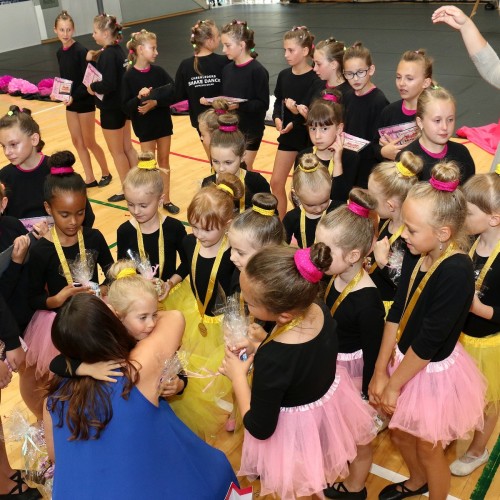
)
(18, 26)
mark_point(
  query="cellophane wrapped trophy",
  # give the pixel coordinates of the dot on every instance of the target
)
(38, 468)
(147, 271)
(82, 270)
(171, 368)
(235, 323)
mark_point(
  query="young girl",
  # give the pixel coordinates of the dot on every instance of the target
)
(24, 177)
(413, 75)
(304, 419)
(325, 122)
(147, 105)
(362, 106)
(87, 420)
(388, 185)
(436, 112)
(480, 336)
(201, 74)
(351, 295)
(295, 87)
(227, 153)
(149, 233)
(114, 123)
(80, 108)
(329, 64)
(51, 281)
(246, 79)
(202, 407)
(312, 186)
(208, 122)
(422, 376)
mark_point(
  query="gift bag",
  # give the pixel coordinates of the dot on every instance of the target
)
(234, 493)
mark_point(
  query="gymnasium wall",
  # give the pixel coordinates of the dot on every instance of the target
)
(26, 23)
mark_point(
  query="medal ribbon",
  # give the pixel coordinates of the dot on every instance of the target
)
(161, 245)
(345, 292)
(487, 265)
(392, 239)
(62, 257)
(211, 284)
(282, 329)
(331, 164)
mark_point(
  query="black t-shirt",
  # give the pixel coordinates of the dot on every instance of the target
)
(72, 66)
(173, 234)
(288, 375)
(455, 151)
(157, 122)
(439, 315)
(24, 188)
(203, 269)
(192, 86)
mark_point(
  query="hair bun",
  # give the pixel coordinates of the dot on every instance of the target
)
(321, 256)
(308, 163)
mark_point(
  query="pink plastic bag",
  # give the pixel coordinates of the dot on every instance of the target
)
(4, 82)
(45, 86)
(486, 137)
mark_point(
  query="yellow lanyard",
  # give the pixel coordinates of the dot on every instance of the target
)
(242, 199)
(331, 164)
(62, 257)
(487, 265)
(161, 245)
(392, 239)
(345, 292)
(303, 237)
(411, 305)
(282, 329)
(211, 284)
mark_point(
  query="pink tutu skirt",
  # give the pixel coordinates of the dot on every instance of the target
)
(353, 363)
(41, 350)
(443, 402)
(312, 444)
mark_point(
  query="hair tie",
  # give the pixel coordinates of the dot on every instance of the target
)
(131, 51)
(194, 46)
(147, 164)
(405, 172)
(264, 211)
(125, 273)
(252, 50)
(497, 169)
(308, 170)
(61, 170)
(435, 87)
(228, 128)
(220, 112)
(357, 209)
(330, 97)
(225, 188)
(306, 268)
(10, 113)
(449, 186)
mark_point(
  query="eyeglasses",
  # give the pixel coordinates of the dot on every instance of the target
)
(361, 73)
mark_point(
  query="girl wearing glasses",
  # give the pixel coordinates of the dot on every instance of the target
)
(362, 106)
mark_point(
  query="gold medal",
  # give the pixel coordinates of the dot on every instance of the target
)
(203, 329)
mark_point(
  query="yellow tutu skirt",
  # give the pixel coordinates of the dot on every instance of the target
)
(486, 352)
(207, 400)
(178, 298)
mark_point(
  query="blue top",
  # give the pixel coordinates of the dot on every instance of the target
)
(144, 452)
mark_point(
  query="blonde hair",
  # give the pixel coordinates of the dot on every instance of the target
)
(302, 37)
(483, 190)
(312, 174)
(210, 117)
(104, 22)
(240, 32)
(235, 140)
(201, 32)
(419, 56)
(139, 38)
(448, 208)
(213, 207)
(353, 232)
(150, 180)
(432, 93)
(392, 181)
(333, 50)
(123, 292)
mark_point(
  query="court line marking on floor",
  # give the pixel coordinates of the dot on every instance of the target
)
(47, 109)
(394, 477)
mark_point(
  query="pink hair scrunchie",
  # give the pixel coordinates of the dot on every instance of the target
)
(228, 128)
(306, 268)
(330, 97)
(358, 209)
(61, 170)
(444, 186)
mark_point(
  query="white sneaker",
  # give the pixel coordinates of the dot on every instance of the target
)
(466, 464)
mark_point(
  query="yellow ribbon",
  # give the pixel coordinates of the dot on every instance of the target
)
(147, 164)
(345, 292)
(125, 273)
(392, 239)
(242, 199)
(331, 163)
(225, 188)
(62, 257)
(308, 170)
(161, 245)
(497, 169)
(405, 172)
(282, 329)
(488, 263)
(263, 211)
(213, 274)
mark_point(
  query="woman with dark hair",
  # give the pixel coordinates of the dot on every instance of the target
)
(119, 440)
